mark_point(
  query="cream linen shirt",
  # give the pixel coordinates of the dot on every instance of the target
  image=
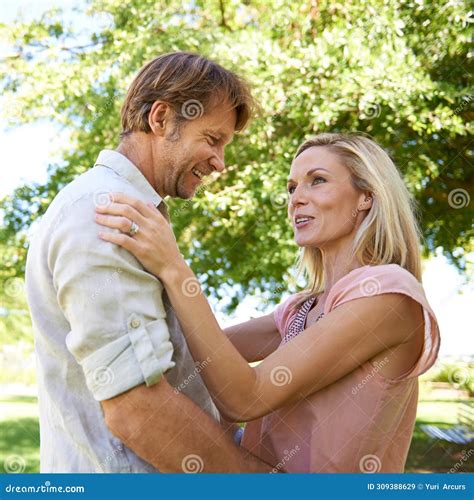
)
(102, 324)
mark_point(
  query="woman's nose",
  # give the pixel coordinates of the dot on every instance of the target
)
(298, 197)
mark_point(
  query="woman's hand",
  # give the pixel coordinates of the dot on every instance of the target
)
(153, 243)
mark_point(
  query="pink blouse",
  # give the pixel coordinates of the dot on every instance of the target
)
(363, 422)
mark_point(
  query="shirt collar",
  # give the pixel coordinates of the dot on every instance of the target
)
(125, 168)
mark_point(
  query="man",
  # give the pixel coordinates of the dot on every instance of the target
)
(105, 332)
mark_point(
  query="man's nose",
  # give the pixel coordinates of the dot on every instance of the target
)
(217, 163)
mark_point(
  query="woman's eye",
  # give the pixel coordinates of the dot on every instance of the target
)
(318, 179)
(291, 189)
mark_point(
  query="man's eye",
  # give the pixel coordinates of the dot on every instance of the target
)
(212, 140)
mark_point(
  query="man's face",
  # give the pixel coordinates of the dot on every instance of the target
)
(193, 149)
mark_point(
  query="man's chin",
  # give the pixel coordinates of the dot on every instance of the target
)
(186, 186)
(185, 193)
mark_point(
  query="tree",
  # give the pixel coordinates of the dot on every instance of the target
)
(397, 70)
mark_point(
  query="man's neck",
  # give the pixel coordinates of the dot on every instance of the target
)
(136, 149)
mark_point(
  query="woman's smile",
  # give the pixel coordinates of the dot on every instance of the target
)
(302, 221)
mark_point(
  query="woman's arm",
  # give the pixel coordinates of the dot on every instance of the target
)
(344, 339)
(255, 339)
(337, 344)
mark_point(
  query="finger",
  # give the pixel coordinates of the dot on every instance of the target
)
(122, 240)
(114, 222)
(138, 205)
(123, 210)
(157, 214)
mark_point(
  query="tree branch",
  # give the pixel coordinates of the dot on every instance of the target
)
(223, 21)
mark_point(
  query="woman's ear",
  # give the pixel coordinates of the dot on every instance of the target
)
(365, 202)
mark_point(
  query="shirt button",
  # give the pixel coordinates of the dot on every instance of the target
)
(135, 323)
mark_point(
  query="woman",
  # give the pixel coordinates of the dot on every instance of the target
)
(337, 387)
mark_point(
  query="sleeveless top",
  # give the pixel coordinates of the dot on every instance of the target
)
(364, 421)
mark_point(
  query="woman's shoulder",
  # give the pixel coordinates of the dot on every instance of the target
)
(378, 280)
(375, 281)
(366, 281)
(387, 271)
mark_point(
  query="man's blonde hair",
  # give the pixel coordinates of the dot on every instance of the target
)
(389, 234)
(189, 83)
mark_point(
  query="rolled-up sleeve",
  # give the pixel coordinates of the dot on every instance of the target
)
(118, 330)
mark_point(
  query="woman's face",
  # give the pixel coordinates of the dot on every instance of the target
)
(323, 202)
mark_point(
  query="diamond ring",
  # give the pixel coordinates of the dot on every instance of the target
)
(133, 229)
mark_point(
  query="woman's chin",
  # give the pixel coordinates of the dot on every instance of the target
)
(304, 242)
(308, 241)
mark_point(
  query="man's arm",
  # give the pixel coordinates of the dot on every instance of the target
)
(118, 331)
(169, 431)
(119, 336)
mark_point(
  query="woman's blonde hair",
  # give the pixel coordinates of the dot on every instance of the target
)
(389, 234)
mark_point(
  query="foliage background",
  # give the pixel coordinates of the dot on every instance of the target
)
(397, 70)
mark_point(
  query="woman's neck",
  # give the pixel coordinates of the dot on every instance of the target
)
(336, 264)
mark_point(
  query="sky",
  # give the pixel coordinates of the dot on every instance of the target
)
(27, 149)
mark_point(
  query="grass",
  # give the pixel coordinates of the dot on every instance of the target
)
(433, 455)
(19, 436)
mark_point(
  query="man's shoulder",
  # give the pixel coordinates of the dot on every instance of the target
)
(71, 213)
(94, 184)
(86, 191)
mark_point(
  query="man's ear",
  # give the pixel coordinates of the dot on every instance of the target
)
(159, 117)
